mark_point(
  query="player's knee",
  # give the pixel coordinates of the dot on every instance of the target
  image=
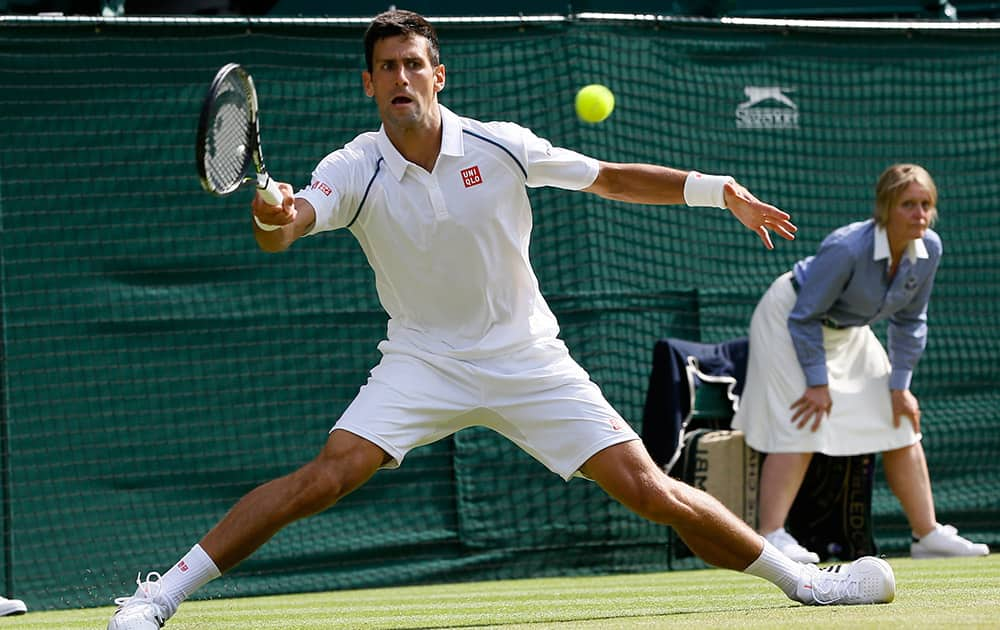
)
(330, 482)
(673, 507)
(658, 499)
(321, 484)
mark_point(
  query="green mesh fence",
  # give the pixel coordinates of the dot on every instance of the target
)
(157, 366)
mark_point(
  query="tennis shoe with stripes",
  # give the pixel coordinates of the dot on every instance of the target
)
(867, 580)
(141, 611)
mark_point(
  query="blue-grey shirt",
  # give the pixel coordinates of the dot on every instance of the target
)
(847, 284)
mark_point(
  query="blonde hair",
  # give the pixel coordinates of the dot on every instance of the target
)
(893, 182)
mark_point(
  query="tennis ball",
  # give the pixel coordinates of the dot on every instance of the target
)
(594, 103)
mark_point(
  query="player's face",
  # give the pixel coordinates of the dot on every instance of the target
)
(403, 82)
(910, 217)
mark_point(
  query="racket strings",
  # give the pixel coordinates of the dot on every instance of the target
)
(228, 140)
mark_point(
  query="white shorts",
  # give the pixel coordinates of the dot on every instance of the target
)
(539, 398)
(858, 372)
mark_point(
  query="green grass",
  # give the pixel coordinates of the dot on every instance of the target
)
(929, 594)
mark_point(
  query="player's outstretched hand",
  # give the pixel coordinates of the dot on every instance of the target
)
(758, 216)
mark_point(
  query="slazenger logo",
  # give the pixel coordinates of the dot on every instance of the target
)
(767, 108)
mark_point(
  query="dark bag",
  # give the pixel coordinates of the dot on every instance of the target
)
(691, 385)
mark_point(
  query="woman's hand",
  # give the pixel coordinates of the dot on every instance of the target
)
(904, 404)
(814, 404)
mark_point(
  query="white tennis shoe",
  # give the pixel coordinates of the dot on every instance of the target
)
(867, 580)
(944, 542)
(787, 545)
(12, 607)
(141, 611)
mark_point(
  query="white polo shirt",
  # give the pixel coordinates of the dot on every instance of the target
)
(450, 248)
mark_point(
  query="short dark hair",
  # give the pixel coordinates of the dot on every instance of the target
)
(400, 22)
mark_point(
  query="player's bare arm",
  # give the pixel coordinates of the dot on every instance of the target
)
(651, 184)
(639, 183)
(292, 220)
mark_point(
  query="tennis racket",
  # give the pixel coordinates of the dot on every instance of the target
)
(229, 137)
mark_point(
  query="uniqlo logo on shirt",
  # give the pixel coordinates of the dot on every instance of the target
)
(323, 188)
(182, 566)
(471, 176)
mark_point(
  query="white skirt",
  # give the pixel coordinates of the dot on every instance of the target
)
(858, 368)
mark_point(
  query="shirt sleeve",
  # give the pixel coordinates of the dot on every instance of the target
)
(817, 293)
(907, 335)
(554, 166)
(329, 191)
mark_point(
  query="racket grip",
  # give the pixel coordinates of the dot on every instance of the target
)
(269, 191)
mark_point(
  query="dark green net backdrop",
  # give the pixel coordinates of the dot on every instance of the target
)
(157, 366)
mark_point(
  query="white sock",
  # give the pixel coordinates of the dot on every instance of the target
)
(777, 568)
(190, 573)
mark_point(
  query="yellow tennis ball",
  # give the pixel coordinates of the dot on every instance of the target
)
(594, 103)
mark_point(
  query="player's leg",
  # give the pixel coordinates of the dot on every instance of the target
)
(908, 478)
(552, 410)
(344, 464)
(712, 532)
(781, 477)
(409, 400)
(627, 473)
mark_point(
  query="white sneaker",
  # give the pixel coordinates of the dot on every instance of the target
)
(867, 580)
(787, 545)
(142, 611)
(944, 542)
(12, 607)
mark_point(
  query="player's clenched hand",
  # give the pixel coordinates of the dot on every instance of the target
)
(758, 216)
(275, 215)
(814, 405)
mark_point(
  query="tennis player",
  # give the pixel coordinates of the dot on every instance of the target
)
(439, 206)
(818, 378)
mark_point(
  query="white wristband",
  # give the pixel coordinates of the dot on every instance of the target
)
(267, 227)
(705, 190)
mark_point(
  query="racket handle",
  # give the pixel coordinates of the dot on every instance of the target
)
(269, 190)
